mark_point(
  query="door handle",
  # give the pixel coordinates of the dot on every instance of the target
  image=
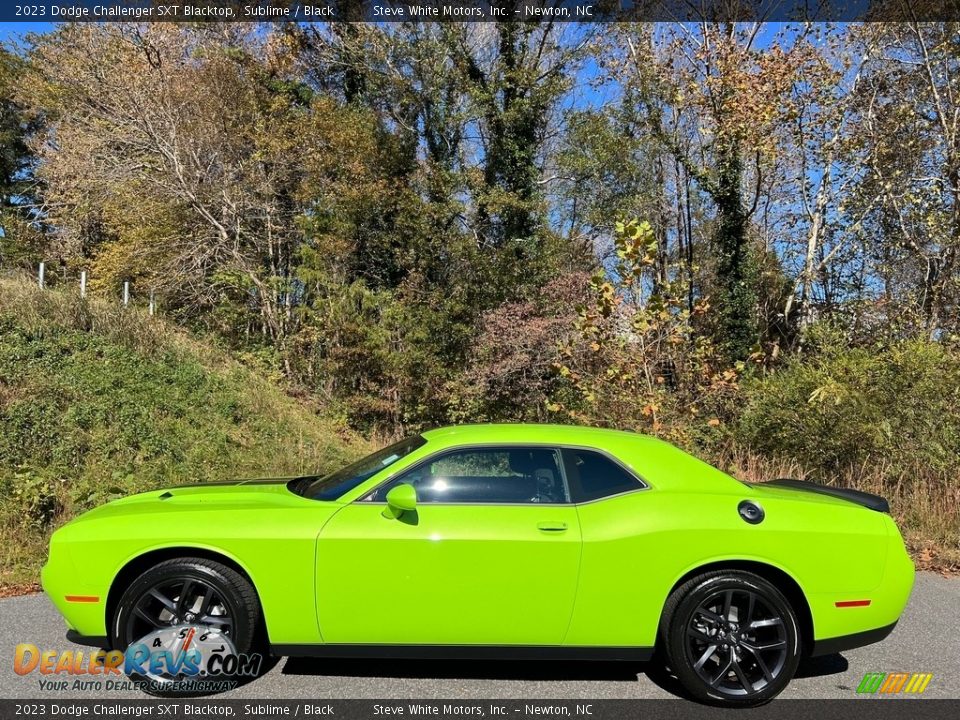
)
(552, 527)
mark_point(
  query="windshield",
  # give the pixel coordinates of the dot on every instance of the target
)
(332, 486)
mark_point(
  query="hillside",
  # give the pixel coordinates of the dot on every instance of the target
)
(97, 401)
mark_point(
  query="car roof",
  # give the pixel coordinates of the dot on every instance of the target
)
(533, 432)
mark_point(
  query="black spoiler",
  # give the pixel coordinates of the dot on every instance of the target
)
(867, 500)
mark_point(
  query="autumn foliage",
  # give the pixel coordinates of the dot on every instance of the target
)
(741, 237)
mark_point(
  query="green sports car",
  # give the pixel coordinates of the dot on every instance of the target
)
(515, 541)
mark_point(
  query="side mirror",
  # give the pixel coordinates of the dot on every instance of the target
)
(401, 499)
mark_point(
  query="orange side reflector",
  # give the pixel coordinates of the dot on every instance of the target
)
(852, 603)
(83, 598)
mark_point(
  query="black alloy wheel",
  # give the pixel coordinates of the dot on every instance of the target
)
(732, 638)
(189, 591)
(178, 602)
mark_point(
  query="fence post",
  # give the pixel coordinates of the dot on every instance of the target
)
(126, 293)
(83, 283)
(151, 302)
(43, 267)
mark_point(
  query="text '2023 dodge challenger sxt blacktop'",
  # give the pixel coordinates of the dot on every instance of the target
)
(516, 541)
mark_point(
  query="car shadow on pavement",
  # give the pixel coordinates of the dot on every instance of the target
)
(467, 669)
(557, 670)
(515, 670)
(809, 667)
(823, 665)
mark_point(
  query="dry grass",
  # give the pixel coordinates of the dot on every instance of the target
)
(39, 311)
(925, 504)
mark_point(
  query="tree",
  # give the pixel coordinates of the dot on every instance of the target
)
(821, 133)
(172, 158)
(908, 122)
(606, 168)
(713, 99)
(20, 239)
(471, 106)
(636, 360)
(511, 371)
(459, 224)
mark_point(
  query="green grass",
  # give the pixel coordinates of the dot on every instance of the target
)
(98, 401)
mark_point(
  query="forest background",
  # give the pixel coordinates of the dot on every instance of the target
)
(742, 238)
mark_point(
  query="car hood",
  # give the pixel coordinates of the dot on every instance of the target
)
(250, 494)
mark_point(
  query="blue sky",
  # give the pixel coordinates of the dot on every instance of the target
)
(11, 30)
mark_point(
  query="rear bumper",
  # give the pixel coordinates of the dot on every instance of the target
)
(852, 619)
(849, 642)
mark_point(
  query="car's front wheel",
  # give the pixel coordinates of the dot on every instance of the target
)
(731, 638)
(187, 603)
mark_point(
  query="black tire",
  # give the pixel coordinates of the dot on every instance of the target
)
(236, 610)
(731, 638)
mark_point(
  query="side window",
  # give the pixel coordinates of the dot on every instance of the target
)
(486, 476)
(593, 475)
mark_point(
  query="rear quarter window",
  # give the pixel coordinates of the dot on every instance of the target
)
(594, 475)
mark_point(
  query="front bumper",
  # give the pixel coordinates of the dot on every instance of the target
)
(97, 641)
(82, 605)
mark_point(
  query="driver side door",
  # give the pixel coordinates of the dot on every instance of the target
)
(490, 556)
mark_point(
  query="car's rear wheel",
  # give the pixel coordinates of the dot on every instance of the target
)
(187, 592)
(731, 638)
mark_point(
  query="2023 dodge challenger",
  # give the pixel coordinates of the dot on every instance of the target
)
(518, 541)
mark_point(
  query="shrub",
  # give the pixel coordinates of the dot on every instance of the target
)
(511, 369)
(894, 407)
(636, 359)
(37, 498)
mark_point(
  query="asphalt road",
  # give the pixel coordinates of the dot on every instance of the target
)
(926, 640)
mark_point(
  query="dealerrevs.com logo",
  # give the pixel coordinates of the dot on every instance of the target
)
(178, 659)
(897, 683)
